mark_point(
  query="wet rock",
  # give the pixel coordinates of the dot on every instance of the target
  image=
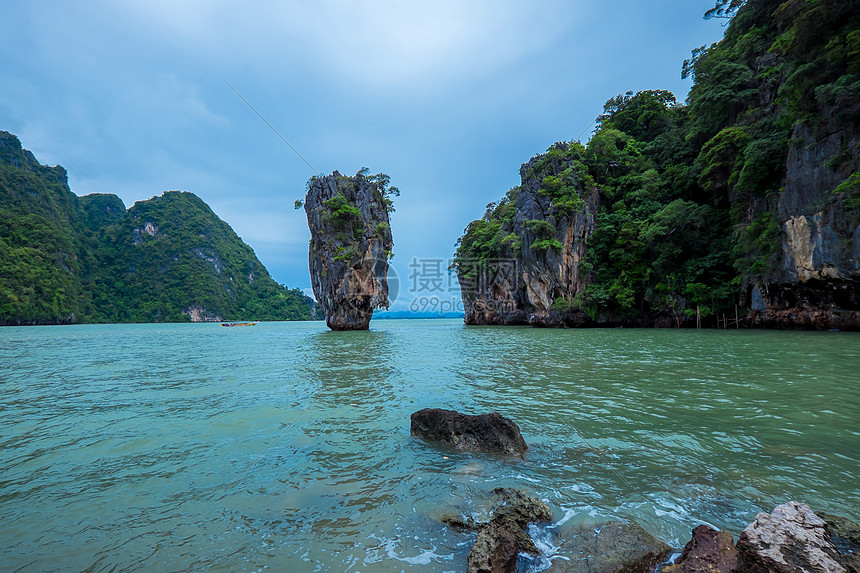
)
(459, 522)
(504, 536)
(791, 539)
(489, 433)
(709, 551)
(845, 536)
(350, 246)
(514, 505)
(610, 547)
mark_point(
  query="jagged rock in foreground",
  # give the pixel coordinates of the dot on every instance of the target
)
(709, 551)
(350, 246)
(791, 539)
(611, 547)
(504, 536)
(488, 433)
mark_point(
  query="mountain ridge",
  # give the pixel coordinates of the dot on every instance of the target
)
(69, 259)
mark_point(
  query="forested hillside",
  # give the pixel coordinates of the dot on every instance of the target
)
(67, 259)
(747, 195)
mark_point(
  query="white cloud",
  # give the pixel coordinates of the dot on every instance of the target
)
(379, 45)
(448, 97)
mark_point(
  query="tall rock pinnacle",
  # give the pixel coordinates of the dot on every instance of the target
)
(350, 246)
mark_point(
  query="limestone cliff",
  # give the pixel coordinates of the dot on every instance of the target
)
(739, 208)
(816, 279)
(350, 246)
(544, 227)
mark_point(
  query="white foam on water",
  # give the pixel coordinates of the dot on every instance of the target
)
(426, 557)
(544, 539)
(568, 513)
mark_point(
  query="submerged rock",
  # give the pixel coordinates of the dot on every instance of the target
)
(709, 551)
(350, 246)
(504, 537)
(489, 433)
(791, 539)
(610, 547)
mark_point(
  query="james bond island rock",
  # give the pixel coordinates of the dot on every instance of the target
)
(610, 547)
(739, 208)
(709, 551)
(791, 539)
(488, 433)
(70, 259)
(350, 246)
(504, 537)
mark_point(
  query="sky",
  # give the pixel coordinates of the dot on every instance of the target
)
(448, 98)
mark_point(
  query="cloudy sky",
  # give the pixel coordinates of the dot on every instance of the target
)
(447, 97)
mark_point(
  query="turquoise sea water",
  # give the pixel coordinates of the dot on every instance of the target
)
(286, 447)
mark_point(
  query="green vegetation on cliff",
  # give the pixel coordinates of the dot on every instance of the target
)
(689, 195)
(68, 259)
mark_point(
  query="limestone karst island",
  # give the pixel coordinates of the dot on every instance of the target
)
(350, 246)
(611, 323)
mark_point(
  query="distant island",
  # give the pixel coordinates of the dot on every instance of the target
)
(66, 259)
(740, 208)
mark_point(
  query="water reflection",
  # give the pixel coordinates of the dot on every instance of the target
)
(348, 485)
(360, 363)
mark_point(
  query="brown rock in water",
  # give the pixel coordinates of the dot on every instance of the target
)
(489, 433)
(709, 551)
(610, 547)
(495, 550)
(350, 246)
(504, 536)
(791, 539)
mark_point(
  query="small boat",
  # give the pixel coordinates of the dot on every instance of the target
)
(239, 323)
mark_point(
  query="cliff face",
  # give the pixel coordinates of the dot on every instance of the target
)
(813, 280)
(350, 246)
(816, 280)
(743, 202)
(539, 268)
(66, 259)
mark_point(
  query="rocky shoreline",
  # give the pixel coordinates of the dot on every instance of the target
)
(793, 538)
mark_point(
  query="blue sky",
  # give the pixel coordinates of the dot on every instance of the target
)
(448, 98)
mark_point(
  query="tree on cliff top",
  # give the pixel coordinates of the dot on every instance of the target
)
(724, 9)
